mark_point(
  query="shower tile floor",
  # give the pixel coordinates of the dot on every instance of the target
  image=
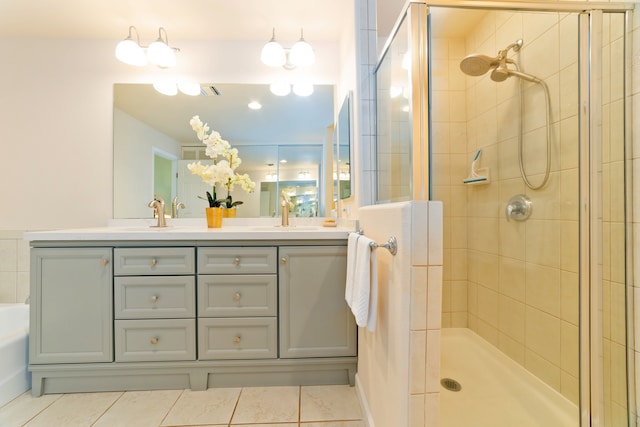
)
(314, 406)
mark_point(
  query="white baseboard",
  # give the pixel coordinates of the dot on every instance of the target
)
(364, 405)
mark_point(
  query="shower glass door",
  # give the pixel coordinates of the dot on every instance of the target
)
(505, 153)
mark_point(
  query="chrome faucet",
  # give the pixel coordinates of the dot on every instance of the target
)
(175, 206)
(158, 210)
(285, 204)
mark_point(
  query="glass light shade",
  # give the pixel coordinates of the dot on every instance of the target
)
(280, 89)
(302, 54)
(189, 88)
(166, 88)
(303, 89)
(254, 105)
(160, 54)
(273, 54)
(130, 52)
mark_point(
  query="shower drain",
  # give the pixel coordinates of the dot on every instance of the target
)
(450, 384)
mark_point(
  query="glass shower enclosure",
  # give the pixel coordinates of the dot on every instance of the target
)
(518, 120)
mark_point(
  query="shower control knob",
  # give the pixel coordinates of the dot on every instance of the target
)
(519, 208)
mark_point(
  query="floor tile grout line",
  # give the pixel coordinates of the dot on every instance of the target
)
(299, 404)
(235, 407)
(171, 408)
(108, 408)
(40, 411)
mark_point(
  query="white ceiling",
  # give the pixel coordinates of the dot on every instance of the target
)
(185, 19)
(204, 19)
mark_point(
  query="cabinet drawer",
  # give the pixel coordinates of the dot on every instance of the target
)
(241, 338)
(237, 295)
(155, 340)
(153, 261)
(231, 260)
(150, 297)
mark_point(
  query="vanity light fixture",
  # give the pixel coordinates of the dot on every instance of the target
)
(190, 88)
(304, 175)
(280, 89)
(159, 52)
(300, 55)
(166, 88)
(170, 87)
(254, 105)
(303, 89)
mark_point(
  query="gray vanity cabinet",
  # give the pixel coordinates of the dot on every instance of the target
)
(71, 305)
(154, 305)
(237, 303)
(188, 314)
(315, 320)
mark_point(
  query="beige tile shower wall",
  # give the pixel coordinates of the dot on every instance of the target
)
(449, 168)
(635, 101)
(522, 276)
(14, 267)
(613, 228)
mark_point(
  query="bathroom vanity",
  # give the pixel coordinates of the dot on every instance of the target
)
(143, 309)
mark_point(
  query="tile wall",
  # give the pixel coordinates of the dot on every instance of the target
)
(14, 267)
(635, 131)
(514, 283)
(613, 226)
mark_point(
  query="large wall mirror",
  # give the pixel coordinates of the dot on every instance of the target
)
(342, 176)
(283, 147)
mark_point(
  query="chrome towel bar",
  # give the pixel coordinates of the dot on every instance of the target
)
(391, 245)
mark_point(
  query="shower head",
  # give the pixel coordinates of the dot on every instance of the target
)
(477, 64)
(502, 73)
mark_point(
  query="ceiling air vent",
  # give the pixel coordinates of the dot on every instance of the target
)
(209, 90)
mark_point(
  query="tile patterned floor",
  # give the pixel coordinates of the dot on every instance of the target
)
(316, 406)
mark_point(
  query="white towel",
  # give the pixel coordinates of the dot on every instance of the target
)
(352, 249)
(362, 283)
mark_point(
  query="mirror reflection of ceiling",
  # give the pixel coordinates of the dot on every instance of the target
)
(281, 120)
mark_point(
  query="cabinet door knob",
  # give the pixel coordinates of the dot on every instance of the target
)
(236, 261)
(154, 341)
(154, 261)
(154, 298)
(237, 296)
(237, 339)
(104, 262)
(283, 260)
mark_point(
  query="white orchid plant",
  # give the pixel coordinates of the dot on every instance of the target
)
(222, 171)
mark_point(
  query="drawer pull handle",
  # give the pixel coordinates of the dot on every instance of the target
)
(283, 260)
(236, 261)
(237, 296)
(104, 262)
(237, 339)
(154, 341)
(154, 261)
(154, 298)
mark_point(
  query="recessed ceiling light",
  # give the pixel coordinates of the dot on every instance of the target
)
(283, 161)
(255, 105)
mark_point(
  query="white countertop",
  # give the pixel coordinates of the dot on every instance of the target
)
(196, 229)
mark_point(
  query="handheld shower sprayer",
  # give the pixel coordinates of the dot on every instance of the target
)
(477, 64)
